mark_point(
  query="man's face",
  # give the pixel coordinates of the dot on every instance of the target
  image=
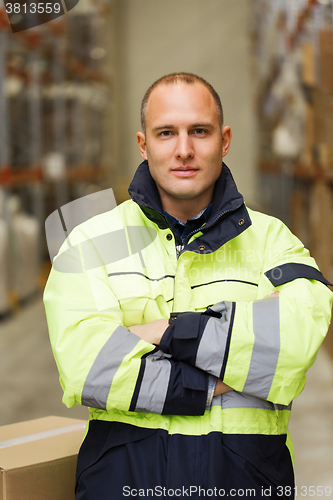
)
(184, 144)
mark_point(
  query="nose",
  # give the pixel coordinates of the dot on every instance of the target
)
(184, 147)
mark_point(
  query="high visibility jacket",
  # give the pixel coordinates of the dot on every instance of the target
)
(224, 320)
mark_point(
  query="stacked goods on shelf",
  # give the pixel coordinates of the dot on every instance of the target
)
(53, 101)
(25, 252)
(293, 46)
(323, 101)
(293, 58)
(4, 258)
(4, 263)
(300, 212)
(321, 225)
(321, 229)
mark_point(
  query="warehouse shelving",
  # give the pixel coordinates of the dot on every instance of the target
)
(292, 45)
(54, 100)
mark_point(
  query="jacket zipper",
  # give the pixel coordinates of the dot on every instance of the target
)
(210, 225)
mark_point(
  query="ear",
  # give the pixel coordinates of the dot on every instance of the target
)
(141, 140)
(226, 139)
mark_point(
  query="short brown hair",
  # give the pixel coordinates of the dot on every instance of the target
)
(188, 78)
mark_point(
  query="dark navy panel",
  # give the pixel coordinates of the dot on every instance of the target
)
(182, 337)
(292, 270)
(187, 391)
(187, 388)
(226, 354)
(222, 228)
(116, 459)
(138, 383)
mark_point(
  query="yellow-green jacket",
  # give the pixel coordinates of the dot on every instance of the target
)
(261, 346)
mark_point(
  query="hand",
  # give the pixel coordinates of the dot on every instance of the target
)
(151, 332)
(221, 388)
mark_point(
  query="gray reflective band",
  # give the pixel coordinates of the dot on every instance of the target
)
(217, 400)
(234, 399)
(283, 407)
(212, 345)
(266, 348)
(154, 385)
(97, 385)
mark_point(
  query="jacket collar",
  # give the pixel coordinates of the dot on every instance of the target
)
(229, 216)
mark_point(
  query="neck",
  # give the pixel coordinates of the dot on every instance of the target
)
(185, 209)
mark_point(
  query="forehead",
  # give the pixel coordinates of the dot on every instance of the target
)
(170, 103)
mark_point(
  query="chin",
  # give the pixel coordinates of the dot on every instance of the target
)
(186, 196)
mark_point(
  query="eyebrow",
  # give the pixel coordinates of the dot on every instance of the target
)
(194, 125)
(162, 127)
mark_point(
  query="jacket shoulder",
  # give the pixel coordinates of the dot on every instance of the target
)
(105, 222)
(263, 220)
(275, 232)
(280, 243)
(267, 223)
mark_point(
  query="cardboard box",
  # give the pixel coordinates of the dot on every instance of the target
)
(38, 458)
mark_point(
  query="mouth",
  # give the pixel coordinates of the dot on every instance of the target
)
(184, 171)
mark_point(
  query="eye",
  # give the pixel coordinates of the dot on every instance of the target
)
(165, 133)
(200, 131)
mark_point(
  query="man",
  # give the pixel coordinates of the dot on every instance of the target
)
(189, 352)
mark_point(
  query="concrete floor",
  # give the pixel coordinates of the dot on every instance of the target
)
(30, 389)
(30, 380)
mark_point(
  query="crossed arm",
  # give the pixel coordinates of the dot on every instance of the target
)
(152, 332)
(263, 347)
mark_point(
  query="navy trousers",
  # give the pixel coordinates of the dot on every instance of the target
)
(119, 461)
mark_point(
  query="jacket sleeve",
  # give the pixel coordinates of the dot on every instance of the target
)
(101, 363)
(264, 347)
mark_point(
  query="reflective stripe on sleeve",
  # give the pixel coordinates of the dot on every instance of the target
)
(217, 400)
(234, 399)
(154, 385)
(266, 328)
(98, 382)
(212, 345)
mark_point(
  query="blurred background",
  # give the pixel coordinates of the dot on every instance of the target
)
(70, 93)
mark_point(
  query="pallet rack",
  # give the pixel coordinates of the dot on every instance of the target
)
(292, 45)
(54, 101)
